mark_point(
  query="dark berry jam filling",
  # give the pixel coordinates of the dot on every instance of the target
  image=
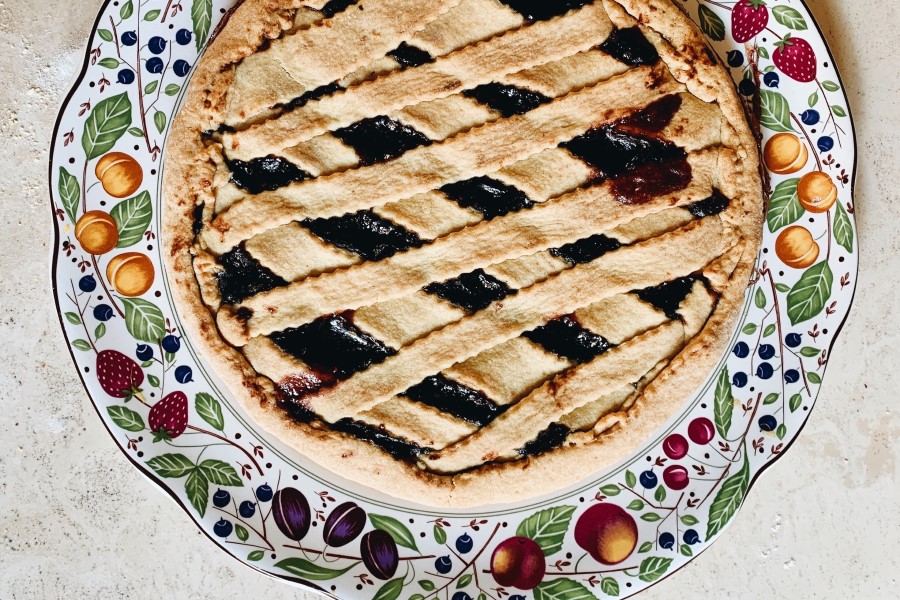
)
(541, 10)
(379, 139)
(668, 296)
(586, 250)
(508, 100)
(364, 233)
(653, 118)
(197, 225)
(398, 448)
(319, 92)
(713, 205)
(612, 152)
(456, 399)
(472, 292)
(642, 184)
(265, 174)
(242, 276)
(410, 56)
(547, 440)
(335, 6)
(488, 196)
(565, 337)
(630, 47)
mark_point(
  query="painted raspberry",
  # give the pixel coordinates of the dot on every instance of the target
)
(119, 376)
(795, 58)
(748, 19)
(169, 417)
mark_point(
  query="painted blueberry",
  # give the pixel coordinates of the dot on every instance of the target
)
(264, 493)
(223, 528)
(792, 376)
(171, 343)
(155, 65)
(766, 351)
(765, 371)
(739, 379)
(221, 499)
(157, 45)
(129, 38)
(735, 58)
(810, 117)
(144, 352)
(464, 543)
(517, 597)
(461, 596)
(747, 87)
(768, 423)
(649, 480)
(181, 67)
(183, 37)
(103, 312)
(772, 79)
(742, 350)
(825, 143)
(793, 340)
(125, 77)
(443, 565)
(691, 537)
(87, 283)
(183, 374)
(247, 509)
(667, 541)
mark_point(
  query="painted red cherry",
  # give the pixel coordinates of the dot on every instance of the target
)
(607, 532)
(676, 477)
(518, 562)
(701, 431)
(675, 446)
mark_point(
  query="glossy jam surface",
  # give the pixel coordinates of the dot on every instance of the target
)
(265, 174)
(472, 292)
(365, 233)
(538, 10)
(612, 152)
(653, 118)
(567, 338)
(713, 205)
(488, 196)
(380, 139)
(333, 7)
(668, 296)
(396, 447)
(197, 225)
(242, 276)
(630, 47)
(552, 437)
(456, 399)
(319, 92)
(642, 184)
(586, 250)
(508, 100)
(410, 56)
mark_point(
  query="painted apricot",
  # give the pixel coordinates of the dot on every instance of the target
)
(120, 174)
(817, 192)
(796, 247)
(785, 154)
(96, 231)
(518, 562)
(131, 273)
(607, 533)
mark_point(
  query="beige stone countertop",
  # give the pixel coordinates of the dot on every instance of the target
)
(78, 521)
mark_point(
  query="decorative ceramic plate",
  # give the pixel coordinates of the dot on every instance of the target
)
(291, 520)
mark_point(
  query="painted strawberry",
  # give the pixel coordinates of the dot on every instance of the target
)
(795, 58)
(119, 376)
(169, 417)
(748, 19)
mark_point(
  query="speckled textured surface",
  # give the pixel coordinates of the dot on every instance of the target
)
(77, 521)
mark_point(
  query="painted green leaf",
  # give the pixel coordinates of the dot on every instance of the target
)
(650, 517)
(172, 89)
(81, 345)
(562, 589)
(197, 488)
(395, 529)
(146, 363)
(831, 86)
(781, 431)
(69, 193)
(645, 547)
(136, 131)
(808, 296)
(838, 110)
(105, 125)
(783, 288)
(108, 63)
(610, 490)
(653, 568)
(763, 52)
(776, 112)
(127, 10)
(220, 472)
(159, 119)
(843, 228)
(814, 377)
(660, 493)
(795, 402)
(784, 205)
(711, 24)
(750, 328)
(73, 318)
(770, 329)
(171, 465)
(813, 99)
(417, 597)
(125, 418)
(153, 380)
(210, 410)
(390, 591)
(771, 399)
(440, 536)
(548, 527)
(201, 16)
(427, 585)
(724, 403)
(144, 321)
(306, 570)
(630, 479)
(132, 219)
(105, 35)
(636, 505)
(151, 87)
(256, 555)
(689, 520)
(152, 15)
(789, 17)
(100, 331)
(241, 532)
(609, 586)
(464, 581)
(169, 357)
(482, 596)
(728, 499)
(760, 298)
(686, 550)
(809, 351)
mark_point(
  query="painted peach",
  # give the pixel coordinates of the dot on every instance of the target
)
(96, 231)
(131, 273)
(607, 532)
(817, 192)
(796, 247)
(518, 562)
(785, 154)
(120, 174)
